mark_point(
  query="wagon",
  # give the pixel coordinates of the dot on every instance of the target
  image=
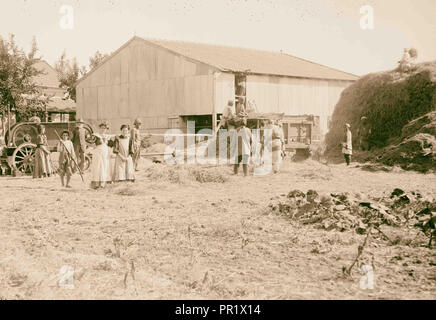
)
(19, 151)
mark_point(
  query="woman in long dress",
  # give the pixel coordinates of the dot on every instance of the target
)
(103, 129)
(99, 163)
(42, 155)
(123, 169)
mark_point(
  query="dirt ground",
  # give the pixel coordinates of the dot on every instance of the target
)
(162, 240)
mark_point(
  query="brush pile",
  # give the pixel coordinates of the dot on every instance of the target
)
(344, 211)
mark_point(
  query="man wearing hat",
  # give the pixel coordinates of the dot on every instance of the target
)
(79, 143)
(347, 148)
(135, 140)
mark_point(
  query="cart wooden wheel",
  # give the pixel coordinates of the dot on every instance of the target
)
(88, 159)
(24, 134)
(23, 158)
(89, 137)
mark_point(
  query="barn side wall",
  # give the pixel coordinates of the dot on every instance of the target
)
(295, 96)
(145, 81)
(225, 90)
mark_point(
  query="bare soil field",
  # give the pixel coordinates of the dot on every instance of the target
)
(167, 237)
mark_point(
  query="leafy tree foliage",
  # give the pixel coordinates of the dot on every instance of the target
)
(68, 74)
(69, 71)
(18, 92)
(95, 60)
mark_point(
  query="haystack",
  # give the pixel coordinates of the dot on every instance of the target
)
(400, 117)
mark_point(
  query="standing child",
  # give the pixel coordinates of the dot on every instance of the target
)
(66, 158)
(123, 169)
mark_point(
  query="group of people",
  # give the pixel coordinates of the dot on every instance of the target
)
(72, 154)
(241, 147)
(68, 149)
(127, 145)
(123, 169)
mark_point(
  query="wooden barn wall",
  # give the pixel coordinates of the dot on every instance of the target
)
(144, 81)
(225, 90)
(295, 96)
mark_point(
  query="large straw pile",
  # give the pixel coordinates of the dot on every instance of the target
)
(391, 102)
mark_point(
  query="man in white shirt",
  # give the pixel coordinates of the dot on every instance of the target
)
(347, 147)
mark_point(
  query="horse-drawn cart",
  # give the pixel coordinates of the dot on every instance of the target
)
(18, 153)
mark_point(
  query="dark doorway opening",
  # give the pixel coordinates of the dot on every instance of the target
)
(201, 122)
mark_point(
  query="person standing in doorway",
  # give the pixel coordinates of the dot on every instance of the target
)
(79, 142)
(347, 147)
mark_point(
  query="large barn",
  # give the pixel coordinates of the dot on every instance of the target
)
(167, 83)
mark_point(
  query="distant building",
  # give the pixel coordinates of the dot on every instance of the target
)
(167, 83)
(60, 108)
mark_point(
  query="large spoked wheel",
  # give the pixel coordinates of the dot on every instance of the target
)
(24, 158)
(25, 134)
(89, 137)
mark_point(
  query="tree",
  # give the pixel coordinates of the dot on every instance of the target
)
(96, 59)
(69, 71)
(18, 92)
(68, 74)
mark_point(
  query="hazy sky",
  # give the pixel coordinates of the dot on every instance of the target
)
(323, 31)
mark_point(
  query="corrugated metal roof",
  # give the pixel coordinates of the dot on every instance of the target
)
(236, 59)
(49, 77)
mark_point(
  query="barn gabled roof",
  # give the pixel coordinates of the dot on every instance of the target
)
(235, 59)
